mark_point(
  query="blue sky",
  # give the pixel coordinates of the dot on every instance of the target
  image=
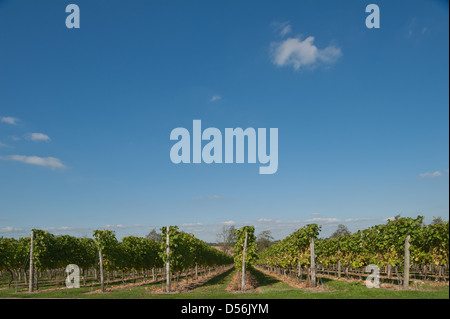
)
(86, 114)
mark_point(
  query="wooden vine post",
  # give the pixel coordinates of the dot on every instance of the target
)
(30, 285)
(407, 263)
(168, 260)
(339, 268)
(313, 263)
(102, 279)
(243, 262)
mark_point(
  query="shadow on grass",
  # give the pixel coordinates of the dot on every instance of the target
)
(324, 280)
(220, 279)
(262, 278)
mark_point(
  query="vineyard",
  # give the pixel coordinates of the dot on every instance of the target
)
(404, 249)
(401, 246)
(44, 256)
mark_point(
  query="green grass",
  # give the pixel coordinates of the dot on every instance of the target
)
(269, 288)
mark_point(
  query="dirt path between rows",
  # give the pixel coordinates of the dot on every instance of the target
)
(183, 285)
(251, 285)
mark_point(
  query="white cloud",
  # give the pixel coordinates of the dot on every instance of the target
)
(3, 145)
(9, 229)
(323, 220)
(229, 222)
(215, 98)
(118, 226)
(297, 53)
(353, 220)
(38, 137)
(431, 175)
(316, 214)
(9, 120)
(59, 228)
(191, 224)
(265, 220)
(35, 160)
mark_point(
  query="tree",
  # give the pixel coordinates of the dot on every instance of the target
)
(264, 240)
(153, 235)
(437, 221)
(341, 230)
(226, 238)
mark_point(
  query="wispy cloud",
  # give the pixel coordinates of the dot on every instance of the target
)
(121, 226)
(9, 229)
(286, 29)
(215, 98)
(37, 137)
(228, 222)
(356, 220)
(191, 224)
(207, 197)
(298, 53)
(60, 228)
(282, 28)
(268, 220)
(67, 229)
(431, 175)
(4, 145)
(322, 220)
(416, 30)
(35, 160)
(118, 226)
(9, 120)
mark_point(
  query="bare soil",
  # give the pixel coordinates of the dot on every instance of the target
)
(251, 285)
(186, 285)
